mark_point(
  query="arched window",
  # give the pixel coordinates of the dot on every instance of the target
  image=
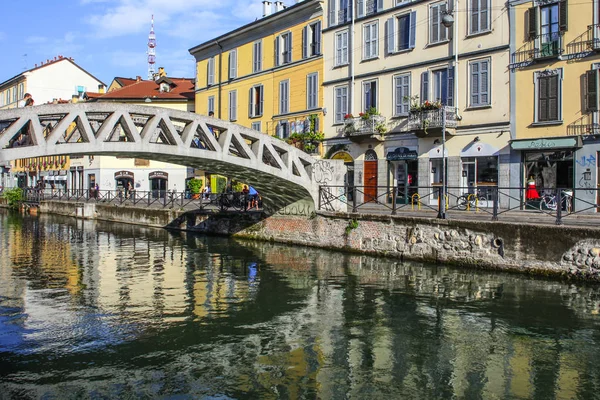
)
(370, 155)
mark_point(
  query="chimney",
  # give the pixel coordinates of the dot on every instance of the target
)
(267, 8)
(74, 98)
(161, 72)
(278, 6)
(138, 78)
(101, 88)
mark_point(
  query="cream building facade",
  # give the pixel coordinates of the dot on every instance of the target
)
(397, 58)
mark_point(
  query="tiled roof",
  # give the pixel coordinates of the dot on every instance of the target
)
(183, 89)
(125, 81)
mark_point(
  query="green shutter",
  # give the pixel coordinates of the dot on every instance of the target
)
(592, 91)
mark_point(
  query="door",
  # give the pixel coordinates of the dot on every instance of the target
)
(370, 180)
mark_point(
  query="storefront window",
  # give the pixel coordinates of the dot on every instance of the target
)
(550, 169)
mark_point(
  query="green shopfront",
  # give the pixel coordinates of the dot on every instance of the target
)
(403, 169)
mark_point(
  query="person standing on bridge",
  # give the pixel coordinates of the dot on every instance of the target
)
(23, 102)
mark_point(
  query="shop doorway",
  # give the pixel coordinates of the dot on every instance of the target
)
(479, 176)
(124, 182)
(158, 184)
(406, 179)
(550, 170)
(349, 176)
(370, 176)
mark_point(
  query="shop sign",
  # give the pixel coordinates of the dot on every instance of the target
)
(158, 175)
(342, 155)
(402, 153)
(543, 144)
(123, 175)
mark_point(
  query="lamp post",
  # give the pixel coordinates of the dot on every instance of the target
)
(448, 22)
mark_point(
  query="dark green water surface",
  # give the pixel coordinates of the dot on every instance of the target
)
(97, 310)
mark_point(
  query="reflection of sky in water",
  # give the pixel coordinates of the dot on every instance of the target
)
(113, 311)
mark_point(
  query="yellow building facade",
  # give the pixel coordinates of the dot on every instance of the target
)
(554, 95)
(266, 75)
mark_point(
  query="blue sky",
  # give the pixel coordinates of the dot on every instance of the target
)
(108, 38)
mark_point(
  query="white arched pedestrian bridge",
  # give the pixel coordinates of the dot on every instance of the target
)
(282, 173)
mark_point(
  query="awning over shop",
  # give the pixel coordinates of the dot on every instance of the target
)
(436, 152)
(342, 155)
(158, 175)
(479, 149)
(124, 175)
(547, 143)
(401, 153)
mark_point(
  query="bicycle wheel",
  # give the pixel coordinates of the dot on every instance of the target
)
(461, 203)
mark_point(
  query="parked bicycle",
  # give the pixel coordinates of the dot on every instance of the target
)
(470, 201)
(549, 201)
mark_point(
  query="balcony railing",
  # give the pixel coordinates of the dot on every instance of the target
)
(543, 46)
(585, 43)
(373, 125)
(422, 120)
(584, 126)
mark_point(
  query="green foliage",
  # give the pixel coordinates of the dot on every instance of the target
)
(352, 224)
(195, 185)
(307, 141)
(237, 186)
(370, 113)
(221, 184)
(13, 197)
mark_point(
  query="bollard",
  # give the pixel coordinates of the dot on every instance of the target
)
(394, 195)
(495, 205)
(558, 207)
(354, 199)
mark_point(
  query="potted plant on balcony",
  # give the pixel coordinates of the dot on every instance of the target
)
(195, 186)
(349, 127)
(307, 141)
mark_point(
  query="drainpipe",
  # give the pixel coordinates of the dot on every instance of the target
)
(456, 73)
(351, 55)
(220, 80)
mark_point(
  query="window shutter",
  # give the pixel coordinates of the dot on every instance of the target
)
(592, 91)
(277, 51)
(563, 15)
(379, 5)
(543, 99)
(331, 16)
(305, 42)
(434, 36)
(475, 84)
(533, 23)
(484, 83)
(450, 84)
(318, 37)
(424, 86)
(484, 15)
(413, 30)
(232, 64)
(390, 35)
(278, 130)
(360, 8)
(446, 33)
(474, 16)
(553, 98)
(261, 99)
(289, 48)
(250, 102)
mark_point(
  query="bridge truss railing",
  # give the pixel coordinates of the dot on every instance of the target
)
(234, 201)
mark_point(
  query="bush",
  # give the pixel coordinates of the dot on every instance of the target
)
(13, 196)
(195, 185)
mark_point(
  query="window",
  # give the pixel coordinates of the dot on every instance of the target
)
(370, 95)
(21, 91)
(479, 16)
(479, 72)
(401, 31)
(401, 94)
(233, 105)
(437, 32)
(368, 7)
(284, 97)
(370, 40)
(211, 104)
(340, 11)
(546, 25)
(283, 129)
(548, 95)
(312, 91)
(341, 103)
(283, 49)
(257, 57)
(233, 64)
(591, 94)
(255, 102)
(438, 87)
(311, 40)
(341, 48)
(256, 126)
(14, 94)
(210, 79)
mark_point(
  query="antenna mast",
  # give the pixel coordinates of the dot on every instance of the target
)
(151, 51)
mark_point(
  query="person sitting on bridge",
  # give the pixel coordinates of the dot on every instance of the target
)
(253, 197)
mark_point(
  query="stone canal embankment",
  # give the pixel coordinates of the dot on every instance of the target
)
(571, 252)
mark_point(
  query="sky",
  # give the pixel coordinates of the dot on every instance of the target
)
(109, 38)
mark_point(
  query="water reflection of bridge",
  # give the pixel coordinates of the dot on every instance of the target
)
(306, 322)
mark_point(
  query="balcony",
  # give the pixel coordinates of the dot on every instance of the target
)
(584, 126)
(372, 127)
(544, 46)
(423, 120)
(584, 44)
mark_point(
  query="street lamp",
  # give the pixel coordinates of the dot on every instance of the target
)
(448, 22)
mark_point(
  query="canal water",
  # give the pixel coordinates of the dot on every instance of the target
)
(101, 311)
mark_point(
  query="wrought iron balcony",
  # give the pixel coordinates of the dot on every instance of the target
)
(365, 127)
(543, 46)
(422, 120)
(584, 44)
(584, 126)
